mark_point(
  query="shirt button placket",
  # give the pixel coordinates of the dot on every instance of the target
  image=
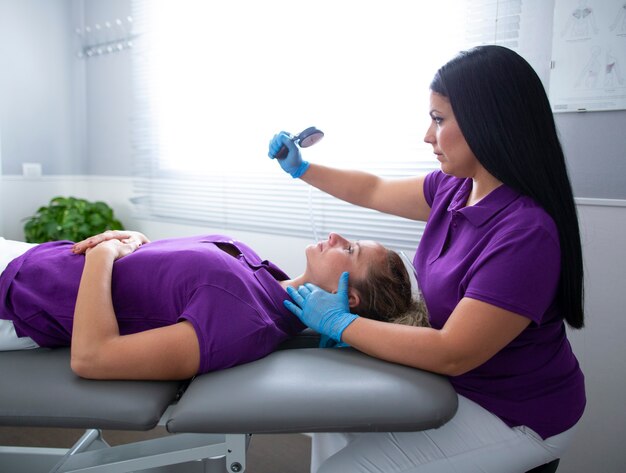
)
(455, 219)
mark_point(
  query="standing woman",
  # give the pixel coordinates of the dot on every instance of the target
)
(500, 269)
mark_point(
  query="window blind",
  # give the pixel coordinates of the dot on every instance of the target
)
(215, 80)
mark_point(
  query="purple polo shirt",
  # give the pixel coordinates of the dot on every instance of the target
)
(503, 251)
(235, 304)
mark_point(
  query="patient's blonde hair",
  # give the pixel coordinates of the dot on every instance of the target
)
(386, 294)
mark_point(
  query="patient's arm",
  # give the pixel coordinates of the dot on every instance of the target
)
(100, 352)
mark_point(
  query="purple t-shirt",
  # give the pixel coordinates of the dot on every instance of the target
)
(503, 251)
(235, 304)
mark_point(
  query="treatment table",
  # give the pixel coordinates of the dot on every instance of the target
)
(297, 389)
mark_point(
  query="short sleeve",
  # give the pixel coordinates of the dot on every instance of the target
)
(431, 184)
(519, 272)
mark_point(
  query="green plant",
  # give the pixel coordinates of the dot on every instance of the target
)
(69, 218)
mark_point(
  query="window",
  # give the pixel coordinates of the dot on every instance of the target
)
(215, 80)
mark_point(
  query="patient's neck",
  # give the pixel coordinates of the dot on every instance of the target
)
(295, 283)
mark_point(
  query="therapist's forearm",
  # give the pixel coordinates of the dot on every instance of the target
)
(403, 197)
(349, 185)
(94, 316)
(418, 347)
(473, 334)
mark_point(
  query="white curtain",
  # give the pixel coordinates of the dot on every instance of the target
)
(214, 80)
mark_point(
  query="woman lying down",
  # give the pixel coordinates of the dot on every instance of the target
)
(170, 309)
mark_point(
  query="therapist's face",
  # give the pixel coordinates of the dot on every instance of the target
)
(327, 259)
(448, 142)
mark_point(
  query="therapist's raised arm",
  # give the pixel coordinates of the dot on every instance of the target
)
(401, 197)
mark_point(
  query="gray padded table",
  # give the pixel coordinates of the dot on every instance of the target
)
(39, 389)
(315, 390)
(293, 390)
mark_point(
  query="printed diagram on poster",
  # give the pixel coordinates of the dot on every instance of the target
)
(588, 55)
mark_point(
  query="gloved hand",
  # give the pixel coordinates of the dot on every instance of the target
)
(326, 313)
(292, 163)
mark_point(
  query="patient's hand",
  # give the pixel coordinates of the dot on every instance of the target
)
(112, 250)
(132, 240)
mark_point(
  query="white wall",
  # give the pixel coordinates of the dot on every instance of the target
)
(108, 100)
(39, 81)
(600, 347)
(70, 114)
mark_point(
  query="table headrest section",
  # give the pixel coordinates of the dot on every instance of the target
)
(38, 388)
(314, 390)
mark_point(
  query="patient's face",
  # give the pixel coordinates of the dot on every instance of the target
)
(327, 259)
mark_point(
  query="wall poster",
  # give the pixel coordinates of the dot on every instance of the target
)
(588, 70)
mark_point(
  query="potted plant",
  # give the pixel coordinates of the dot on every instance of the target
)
(69, 218)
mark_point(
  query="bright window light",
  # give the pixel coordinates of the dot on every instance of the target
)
(223, 76)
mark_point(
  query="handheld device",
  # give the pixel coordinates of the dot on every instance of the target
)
(304, 139)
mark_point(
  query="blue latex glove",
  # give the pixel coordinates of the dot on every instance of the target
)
(326, 313)
(292, 163)
(327, 342)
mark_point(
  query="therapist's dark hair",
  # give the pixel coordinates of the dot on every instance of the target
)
(387, 295)
(504, 113)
